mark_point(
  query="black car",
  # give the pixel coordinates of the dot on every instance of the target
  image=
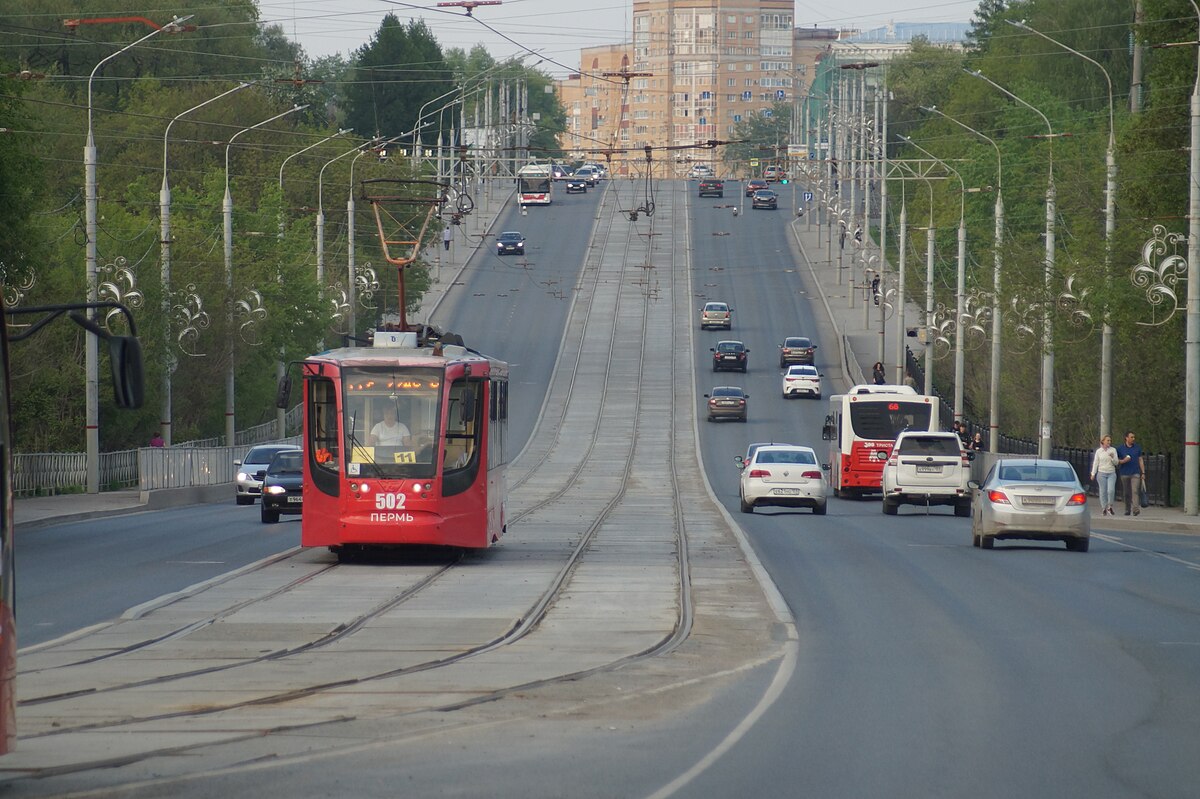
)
(711, 187)
(730, 355)
(796, 349)
(282, 486)
(765, 198)
(510, 242)
(576, 185)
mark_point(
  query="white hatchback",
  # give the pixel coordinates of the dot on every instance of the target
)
(782, 474)
(802, 380)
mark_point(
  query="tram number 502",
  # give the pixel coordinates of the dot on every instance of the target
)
(390, 501)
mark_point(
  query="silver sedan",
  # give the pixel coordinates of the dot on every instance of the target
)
(1041, 500)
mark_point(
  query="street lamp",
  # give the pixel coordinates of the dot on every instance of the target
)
(164, 213)
(998, 241)
(1046, 425)
(1191, 444)
(1110, 224)
(91, 201)
(960, 285)
(227, 216)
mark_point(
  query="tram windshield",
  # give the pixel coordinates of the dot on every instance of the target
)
(391, 421)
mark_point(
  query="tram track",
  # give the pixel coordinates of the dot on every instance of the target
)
(529, 621)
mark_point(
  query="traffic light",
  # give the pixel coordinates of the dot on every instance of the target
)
(783, 181)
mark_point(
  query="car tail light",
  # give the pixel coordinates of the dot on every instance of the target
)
(759, 473)
(892, 461)
(998, 497)
(811, 475)
(741, 402)
(1077, 499)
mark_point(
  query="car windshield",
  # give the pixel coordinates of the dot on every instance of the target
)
(1037, 473)
(785, 456)
(286, 463)
(797, 342)
(929, 445)
(510, 237)
(262, 454)
(729, 346)
(807, 371)
(716, 306)
(727, 392)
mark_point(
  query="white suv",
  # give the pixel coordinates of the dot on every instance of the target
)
(927, 469)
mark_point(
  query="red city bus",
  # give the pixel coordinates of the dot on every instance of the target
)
(861, 428)
(403, 444)
(535, 185)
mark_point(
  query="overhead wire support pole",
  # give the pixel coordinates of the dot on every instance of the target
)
(1046, 423)
(998, 241)
(164, 214)
(91, 194)
(1110, 225)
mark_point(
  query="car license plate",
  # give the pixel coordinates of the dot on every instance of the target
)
(1039, 500)
(785, 492)
(929, 470)
(295, 500)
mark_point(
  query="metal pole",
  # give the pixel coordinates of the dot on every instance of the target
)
(164, 214)
(960, 308)
(91, 203)
(929, 240)
(227, 224)
(1191, 444)
(901, 262)
(1046, 423)
(1110, 194)
(994, 390)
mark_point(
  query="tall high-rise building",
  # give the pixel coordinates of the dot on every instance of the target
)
(595, 101)
(708, 64)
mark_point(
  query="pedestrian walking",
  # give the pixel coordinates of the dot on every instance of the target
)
(447, 236)
(877, 375)
(977, 443)
(157, 440)
(1131, 470)
(875, 288)
(1104, 471)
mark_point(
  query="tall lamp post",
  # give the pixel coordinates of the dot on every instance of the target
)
(1110, 225)
(960, 284)
(998, 241)
(91, 200)
(1046, 427)
(1191, 444)
(227, 216)
(164, 213)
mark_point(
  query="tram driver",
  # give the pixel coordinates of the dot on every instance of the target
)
(389, 432)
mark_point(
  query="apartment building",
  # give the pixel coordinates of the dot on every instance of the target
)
(701, 67)
(595, 101)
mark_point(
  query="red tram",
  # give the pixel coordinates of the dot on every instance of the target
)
(403, 444)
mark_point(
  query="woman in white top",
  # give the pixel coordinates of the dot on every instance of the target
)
(1104, 472)
(389, 432)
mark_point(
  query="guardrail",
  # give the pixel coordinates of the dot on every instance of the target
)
(205, 461)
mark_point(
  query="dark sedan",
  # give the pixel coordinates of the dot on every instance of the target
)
(510, 242)
(576, 185)
(282, 486)
(730, 355)
(765, 198)
(796, 349)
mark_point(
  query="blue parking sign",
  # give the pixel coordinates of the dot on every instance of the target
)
(808, 195)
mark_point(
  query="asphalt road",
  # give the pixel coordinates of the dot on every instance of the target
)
(922, 667)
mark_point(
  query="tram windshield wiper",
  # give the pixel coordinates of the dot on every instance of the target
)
(355, 444)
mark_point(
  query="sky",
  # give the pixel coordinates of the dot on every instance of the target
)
(555, 29)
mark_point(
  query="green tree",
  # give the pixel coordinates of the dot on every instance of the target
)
(396, 73)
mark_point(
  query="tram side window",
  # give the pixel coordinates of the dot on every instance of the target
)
(324, 448)
(463, 427)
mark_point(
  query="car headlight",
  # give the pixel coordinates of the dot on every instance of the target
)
(275, 490)
(243, 476)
